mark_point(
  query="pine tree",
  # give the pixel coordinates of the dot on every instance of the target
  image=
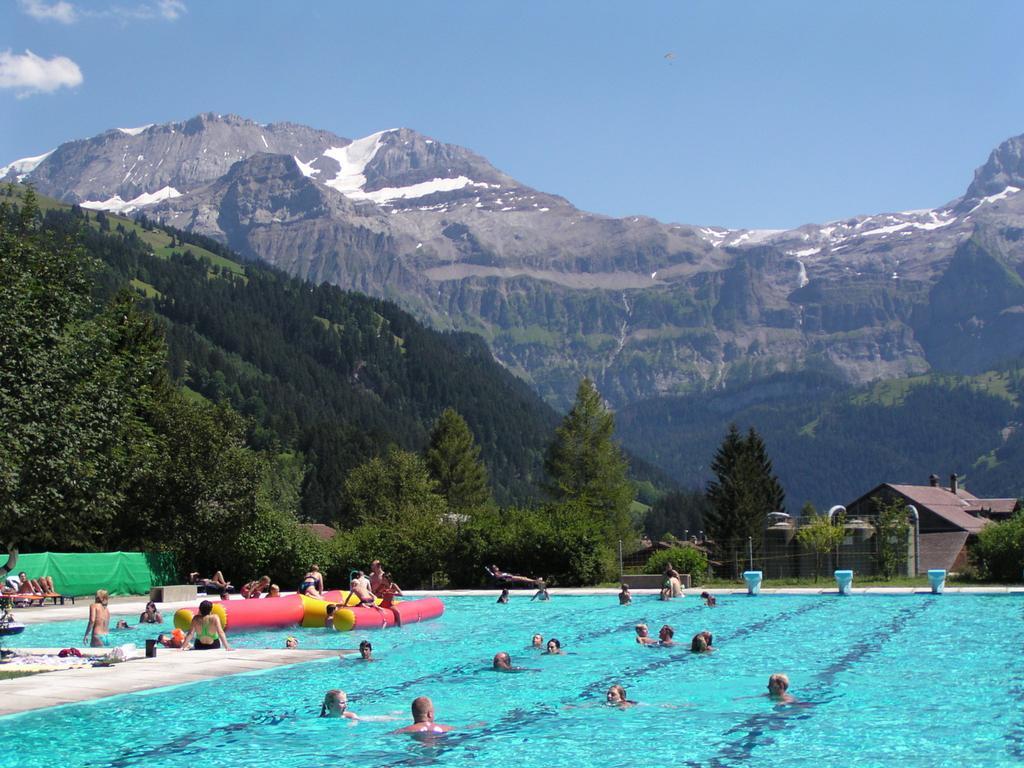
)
(584, 465)
(744, 492)
(453, 459)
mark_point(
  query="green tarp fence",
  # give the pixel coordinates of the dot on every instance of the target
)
(120, 573)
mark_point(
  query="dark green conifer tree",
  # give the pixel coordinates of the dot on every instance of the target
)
(453, 459)
(585, 465)
(744, 491)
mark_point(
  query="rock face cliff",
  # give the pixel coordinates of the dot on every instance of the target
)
(643, 307)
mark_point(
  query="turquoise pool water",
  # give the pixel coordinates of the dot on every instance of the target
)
(910, 680)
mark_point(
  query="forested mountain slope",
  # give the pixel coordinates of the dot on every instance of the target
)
(334, 375)
(830, 443)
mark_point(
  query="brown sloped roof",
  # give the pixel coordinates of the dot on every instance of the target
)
(320, 530)
(940, 550)
(999, 506)
(955, 508)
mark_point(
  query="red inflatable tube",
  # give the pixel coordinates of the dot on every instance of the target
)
(260, 613)
(410, 612)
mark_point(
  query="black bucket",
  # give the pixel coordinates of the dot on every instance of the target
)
(151, 649)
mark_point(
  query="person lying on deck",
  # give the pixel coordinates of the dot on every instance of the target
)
(215, 583)
(496, 573)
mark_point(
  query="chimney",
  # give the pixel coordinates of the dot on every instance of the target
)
(953, 485)
(933, 480)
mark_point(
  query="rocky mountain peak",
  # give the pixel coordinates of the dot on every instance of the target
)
(1004, 168)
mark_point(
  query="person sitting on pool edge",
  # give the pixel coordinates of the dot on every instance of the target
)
(335, 704)
(778, 687)
(616, 697)
(643, 636)
(624, 597)
(423, 718)
(207, 630)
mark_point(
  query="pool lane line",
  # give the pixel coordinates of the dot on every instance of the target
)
(753, 729)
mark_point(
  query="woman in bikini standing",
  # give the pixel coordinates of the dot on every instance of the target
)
(98, 628)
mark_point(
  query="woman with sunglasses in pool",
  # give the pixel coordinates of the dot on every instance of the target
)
(554, 648)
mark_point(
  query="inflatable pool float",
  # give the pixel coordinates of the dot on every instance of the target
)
(279, 612)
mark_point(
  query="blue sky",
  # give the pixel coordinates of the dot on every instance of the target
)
(767, 114)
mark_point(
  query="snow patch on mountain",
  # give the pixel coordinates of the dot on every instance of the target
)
(422, 189)
(136, 131)
(307, 169)
(353, 160)
(116, 205)
(25, 166)
(995, 198)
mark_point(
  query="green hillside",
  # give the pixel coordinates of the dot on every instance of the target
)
(336, 375)
(830, 443)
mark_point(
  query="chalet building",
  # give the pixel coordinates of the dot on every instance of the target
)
(949, 517)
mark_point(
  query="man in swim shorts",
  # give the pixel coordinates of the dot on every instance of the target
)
(423, 718)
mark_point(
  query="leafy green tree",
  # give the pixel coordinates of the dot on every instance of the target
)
(453, 459)
(892, 530)
(998, 553)
(819, 535)
(73, 387)
(744, 491)
(684, 559)
(586, 466)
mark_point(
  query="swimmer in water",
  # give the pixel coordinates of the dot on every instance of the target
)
(335, 704)
(366, 651)
(423, 718)
(778, 687)
(537, 642)
(625, 598)
(554, 648)
(616, 697)
(291, 642)
(709, 599)
(642, 635)
(665, 635)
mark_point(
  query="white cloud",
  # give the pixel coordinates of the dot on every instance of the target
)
(34, 74)
(171, 9)
(167, 10)
(60, 11)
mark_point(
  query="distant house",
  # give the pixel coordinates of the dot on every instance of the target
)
(320, 530)
(948, 517)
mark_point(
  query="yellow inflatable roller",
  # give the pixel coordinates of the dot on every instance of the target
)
(183, 617)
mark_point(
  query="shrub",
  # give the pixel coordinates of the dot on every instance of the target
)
(684, 559)
(998, 552)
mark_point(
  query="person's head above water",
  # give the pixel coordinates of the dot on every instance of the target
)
(422, 710)
(666, 633)
(538, 640)
(554, 646)
(365, 649)
(335, 703)
(291, 642)
(699, 644)
(778, 684)
(616, 695)
(641, 630)
(502, 661)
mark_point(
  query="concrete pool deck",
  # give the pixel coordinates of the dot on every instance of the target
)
(169, 667)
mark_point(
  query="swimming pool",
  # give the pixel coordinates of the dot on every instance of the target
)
(918, 680)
